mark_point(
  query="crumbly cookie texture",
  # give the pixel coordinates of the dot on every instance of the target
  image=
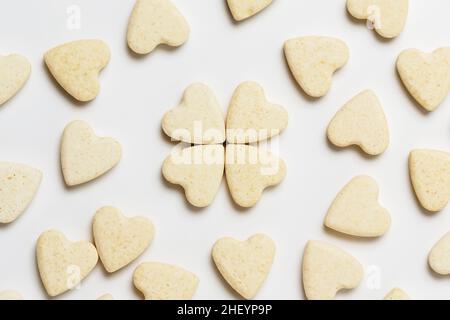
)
(244, 264)
(243, 9)
(63, 264)
(14, 73)
(160, 281)
(387, 17)
(439, 257)
(361, 122)
(313, 61)
(85, 156)
(327, 269)
(426, 76)
(397, 294)
(430, 176)
(155, 22)
(76, 66)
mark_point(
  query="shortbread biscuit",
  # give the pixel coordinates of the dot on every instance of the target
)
(14, 73)
(439, 257)
(10, 295)
(397, 294)
(243, 9)
(106, 296)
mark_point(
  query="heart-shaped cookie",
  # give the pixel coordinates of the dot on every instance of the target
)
(426, 76)
(430, 176)
(154, 22)
(327, 269)
(439, 257)
(397, 294)
(63, 264)
(249, 170)
(18, 186)
(243, 9)
(313, 61)
(10, 295)
(118, 239)
(84, 156)
(14, 73)
(251, 118)
(244, 264)
(76, 66)
(361, 122)
(199, 170)
(160, 281)
(198, 119)
(387, 17)
(356, 211)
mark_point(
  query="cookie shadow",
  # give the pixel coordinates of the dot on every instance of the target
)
(351, 148)
(350, 238)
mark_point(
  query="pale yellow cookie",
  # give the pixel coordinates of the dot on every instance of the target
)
(244, 264)
(10, 295)
(106, 296)
(439, 257)
(120, 240)
(387, 17)
(160, 281)
(76, 66)
(426, 76)
(251, 118)
(155, 22)
(85, 156)
(14, 73)
(18, 186)
(430, 176)
(327, 269)
(313, 61)
(243, 9)
(198, 119)
(361, 122)
(63, 264)
(397, 294)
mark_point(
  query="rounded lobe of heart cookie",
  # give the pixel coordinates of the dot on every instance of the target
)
(439, 257)
(243, 9)
(326, 269)
(249, 170)
(76, 66)
(199, 170)
(155, 22)
(313, 61)
(18, 186)
(426, 76)
(198, 119)
(63, 264)
(361, 122)
(430, 176)
(387, 17)
(160, 281)
(10, 295)
(245, 265)
(106, 296)
(251, 118)
(84, 156)
(397, 294)
(120, 240)
(355, 210)
(14, 73)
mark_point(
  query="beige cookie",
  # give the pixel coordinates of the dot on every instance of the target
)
(63, 264)
(387, 17)
(249, 170)
(14, 73)
(327, 269)
(430, 177)
(18, 186)
(199, 170)
(76, 66)
(313, 61)
(106, 296)
(426, 76)
(243, 9)
(361, 122)
(439, 257)
(397, 294)
(355, 210)
(10, 295)
(155, 22)
(198, 119)
(244, 264)
(118, 239)
(85, 156)
(251, 118)
(160, 281)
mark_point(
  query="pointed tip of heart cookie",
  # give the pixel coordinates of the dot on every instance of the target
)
(15, 70)
(244, 9)
(438, 258)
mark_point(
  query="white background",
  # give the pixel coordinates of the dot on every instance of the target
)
(135, 94)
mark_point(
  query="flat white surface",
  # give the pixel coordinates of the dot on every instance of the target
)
(135, 94)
